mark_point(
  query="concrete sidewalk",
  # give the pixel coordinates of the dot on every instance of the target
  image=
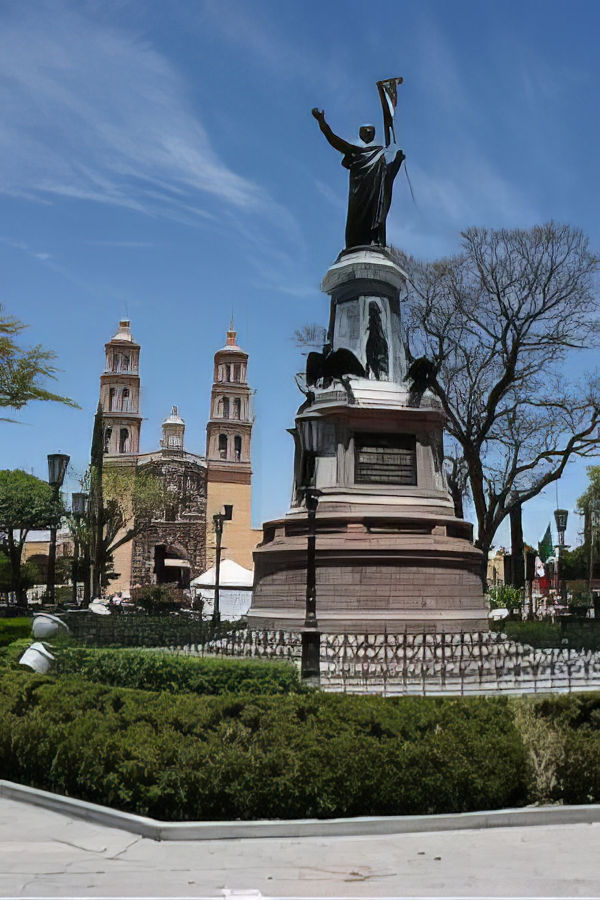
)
(47, 854)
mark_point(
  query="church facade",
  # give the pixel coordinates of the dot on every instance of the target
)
(180, 543)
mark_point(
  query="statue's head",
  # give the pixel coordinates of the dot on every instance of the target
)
(366, 133)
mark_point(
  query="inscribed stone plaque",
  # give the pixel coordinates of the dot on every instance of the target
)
(385, 459)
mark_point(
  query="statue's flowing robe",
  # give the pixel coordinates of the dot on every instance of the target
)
(370, 195)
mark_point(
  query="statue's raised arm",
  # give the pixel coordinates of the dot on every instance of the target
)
(336, 142)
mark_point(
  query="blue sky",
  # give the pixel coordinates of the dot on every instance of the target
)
(159, 161)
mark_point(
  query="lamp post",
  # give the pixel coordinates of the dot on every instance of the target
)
(57, 468)
(310, 668)
(78, 511)
(218, 520)
(560, 517)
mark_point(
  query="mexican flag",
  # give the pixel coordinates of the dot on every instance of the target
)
(545, 546)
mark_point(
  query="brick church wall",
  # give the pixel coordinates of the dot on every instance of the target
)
(184, 526)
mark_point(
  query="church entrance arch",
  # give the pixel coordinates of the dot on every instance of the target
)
(171, 565)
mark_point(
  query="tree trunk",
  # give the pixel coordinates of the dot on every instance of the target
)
(15, 549)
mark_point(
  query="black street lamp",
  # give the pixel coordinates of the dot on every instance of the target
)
(560, 517)
(78, 511)
(218, 520)
(57, 468)
(311, 639)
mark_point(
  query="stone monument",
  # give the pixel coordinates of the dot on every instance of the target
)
(388, 553)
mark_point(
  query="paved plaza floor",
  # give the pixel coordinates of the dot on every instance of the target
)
(48, 854)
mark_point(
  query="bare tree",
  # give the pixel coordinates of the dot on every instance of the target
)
(311, 336)
(504, 323)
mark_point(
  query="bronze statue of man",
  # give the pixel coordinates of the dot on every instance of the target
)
(371, 182)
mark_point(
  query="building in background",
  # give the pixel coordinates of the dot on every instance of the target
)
(228, 436)
(180, 543)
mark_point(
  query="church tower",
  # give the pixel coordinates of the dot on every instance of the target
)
(173, 431)
(120, 394)
(228, 435)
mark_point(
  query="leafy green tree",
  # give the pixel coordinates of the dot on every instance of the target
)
(26, 502)
(122, 505)
(30, 574)
(588, 506)
(574, 563)
(22, 371)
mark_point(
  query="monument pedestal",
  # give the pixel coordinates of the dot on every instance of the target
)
(390, 553)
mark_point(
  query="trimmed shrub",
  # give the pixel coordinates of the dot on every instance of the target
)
(575, 634)
(139, 630)
(156, 671)
(576, 719)
(13, 629)
(242, 756)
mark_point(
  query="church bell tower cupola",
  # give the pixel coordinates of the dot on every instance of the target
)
(228, 435)
(230, 426)
(120, 394)
(173, 430)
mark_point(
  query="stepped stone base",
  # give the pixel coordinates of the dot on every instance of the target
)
(373, 574)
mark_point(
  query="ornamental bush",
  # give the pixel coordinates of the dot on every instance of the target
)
(13, 629)
(157, 671)
(180, 756)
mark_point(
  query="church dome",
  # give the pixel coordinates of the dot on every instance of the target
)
(124, 332)
(174, 418)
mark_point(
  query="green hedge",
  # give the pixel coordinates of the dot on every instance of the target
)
(296, 755)
(156, 671)
(135, 630)
(13, 629)
(575, 634)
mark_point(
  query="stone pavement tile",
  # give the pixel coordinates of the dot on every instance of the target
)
(23, 821)
(93, 861)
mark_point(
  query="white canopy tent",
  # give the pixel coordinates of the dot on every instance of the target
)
(235, 590)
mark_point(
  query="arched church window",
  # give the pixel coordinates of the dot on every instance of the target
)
(125, 362)
(237, 408)
(225, 407)
(236, 372)
(223, 446)
(125, 400)
(107, 437)
(112, 394)
(124, 443)
(237, 447)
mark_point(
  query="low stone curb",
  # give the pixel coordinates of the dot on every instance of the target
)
(295, 828)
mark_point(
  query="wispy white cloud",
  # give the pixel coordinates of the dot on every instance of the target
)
(123, 244)
(42, 255)
(92, 112)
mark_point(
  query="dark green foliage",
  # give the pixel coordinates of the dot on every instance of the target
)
(536, 634)
(156, 599)
(13, 629)
(578, 634)
(297, 755)
(155, 671)
(144, 631)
